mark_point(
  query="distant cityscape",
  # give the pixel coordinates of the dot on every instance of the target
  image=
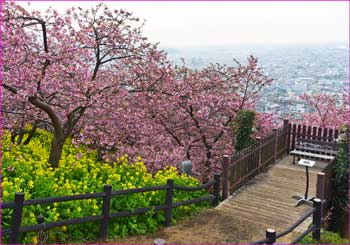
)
(296, 69)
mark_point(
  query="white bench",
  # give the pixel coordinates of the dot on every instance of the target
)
(309, 148)
(309, 154)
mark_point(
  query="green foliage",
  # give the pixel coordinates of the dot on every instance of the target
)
(341, 179)
(25, 169)
(327, 237)
(243, 128)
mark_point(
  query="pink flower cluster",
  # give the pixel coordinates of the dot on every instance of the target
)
(92, 75)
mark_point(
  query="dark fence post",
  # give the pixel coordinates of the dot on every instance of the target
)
(286, 126)
(270, 236)
(225, 170)
(317, 219)
(258, 140)
(320, 187)
(216, 189)
(293, 137)
(42, 234)
(17, 217)
(169, 202)
(105, 211)
(275, 131)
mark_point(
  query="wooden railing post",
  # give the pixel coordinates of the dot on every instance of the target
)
(42, 234)
(320, 186)
(317, 219)
(169, 202)
(17, 218)
(286, 127)
(225, 182)
(293, 134)
(270, 236)
(275, 131)
(258, 140)
(105, 211)
(285, 123)
(216, 189)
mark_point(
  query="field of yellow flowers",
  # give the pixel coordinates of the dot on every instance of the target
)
(25, 169)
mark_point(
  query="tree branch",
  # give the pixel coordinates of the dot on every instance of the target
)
(47, 108)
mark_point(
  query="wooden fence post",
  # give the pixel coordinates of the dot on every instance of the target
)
(270, 235)
(225, 182)
(317, 219)
(293, 134)
(285, 123)
(275, 131)
(105, 211)
(320, 188)
(17, 218)
(216, 189)
(258, 140)
(42, 234)
(169, 202)
(320, 185)
(286, 126)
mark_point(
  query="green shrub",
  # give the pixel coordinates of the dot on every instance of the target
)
(25, 169)
(243, 129)
(327, 237)
(341, 179)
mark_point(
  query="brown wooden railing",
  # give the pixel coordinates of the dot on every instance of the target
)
(19, 203)
(251, 161)
(301, 132)
(315, 228)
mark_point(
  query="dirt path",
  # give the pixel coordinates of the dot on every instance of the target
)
(210, 226)
(244, 217)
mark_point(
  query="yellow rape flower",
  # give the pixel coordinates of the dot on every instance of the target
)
(34, 239)
(5, 194)
(30, 184)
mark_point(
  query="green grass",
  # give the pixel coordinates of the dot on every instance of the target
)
(327, 237)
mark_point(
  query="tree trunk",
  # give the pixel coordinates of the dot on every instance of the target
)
(13, 136)
(30, 134)
(56, 150)
(20, 136)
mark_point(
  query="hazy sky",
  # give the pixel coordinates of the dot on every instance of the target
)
(176, 24)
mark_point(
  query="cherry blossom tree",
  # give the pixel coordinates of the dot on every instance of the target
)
(184, 114)
(193, 114)
(65, 65)
(91, 75)
(328, 110)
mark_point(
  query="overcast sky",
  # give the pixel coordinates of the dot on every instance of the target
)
(180, 24)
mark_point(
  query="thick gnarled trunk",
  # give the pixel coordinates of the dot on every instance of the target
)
(56, 150)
